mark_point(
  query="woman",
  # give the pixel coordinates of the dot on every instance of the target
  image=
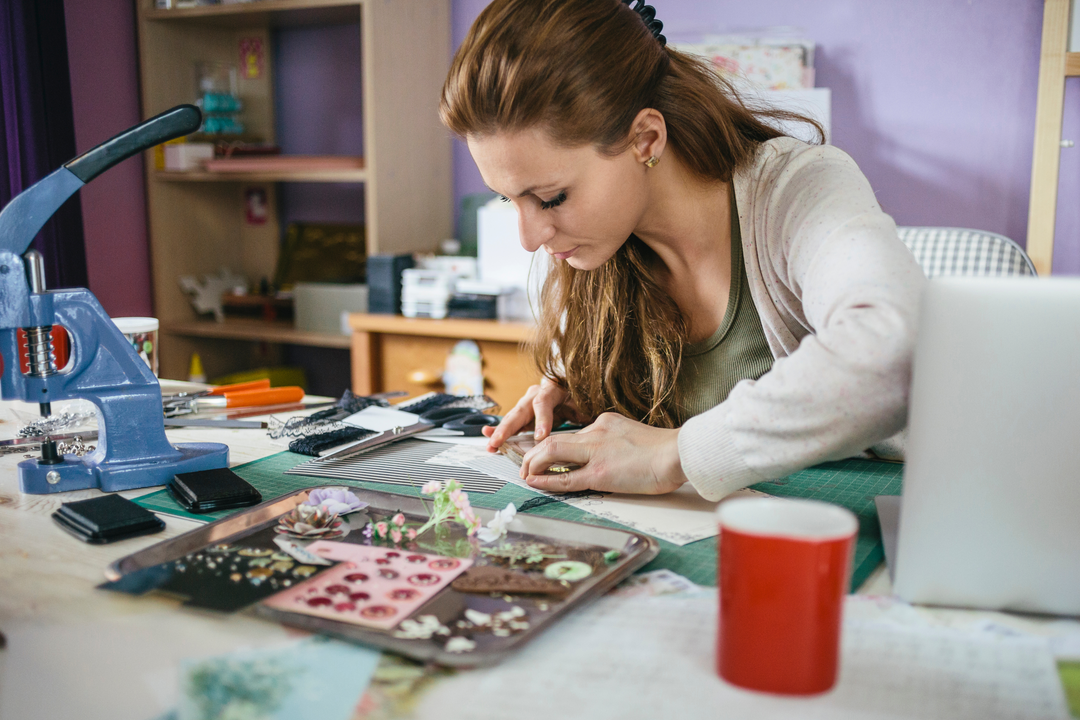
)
(726, 305)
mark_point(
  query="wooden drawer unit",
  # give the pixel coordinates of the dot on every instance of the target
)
(389, 352)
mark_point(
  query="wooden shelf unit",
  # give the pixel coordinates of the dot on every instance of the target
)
(276, 13)
(389, 350)
(197, 220)
(1055, 65)
(258, 331)
(334, 176)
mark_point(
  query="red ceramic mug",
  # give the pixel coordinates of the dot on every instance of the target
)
(784, 571)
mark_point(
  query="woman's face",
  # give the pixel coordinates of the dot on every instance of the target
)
(578, 204)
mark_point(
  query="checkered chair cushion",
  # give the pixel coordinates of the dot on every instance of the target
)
(957, 251)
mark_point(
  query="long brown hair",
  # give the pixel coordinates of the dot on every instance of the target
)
(582, 70)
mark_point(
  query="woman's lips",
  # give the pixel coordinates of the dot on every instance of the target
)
(565, 255)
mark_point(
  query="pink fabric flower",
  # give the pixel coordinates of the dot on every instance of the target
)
(459, 499)
(432, 487)
(468, 516)
(398, 519)
(411, 533)
(381, 529)
(395, 535)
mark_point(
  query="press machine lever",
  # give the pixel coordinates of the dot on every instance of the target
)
(104, 368)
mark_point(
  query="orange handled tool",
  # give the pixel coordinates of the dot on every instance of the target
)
(268, 396)
(263, 384)
(230, 396)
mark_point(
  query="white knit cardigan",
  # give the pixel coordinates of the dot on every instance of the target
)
(838, 296)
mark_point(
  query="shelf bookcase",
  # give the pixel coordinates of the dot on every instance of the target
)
(197, 220)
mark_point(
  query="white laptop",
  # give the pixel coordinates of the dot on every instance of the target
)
(990, 515)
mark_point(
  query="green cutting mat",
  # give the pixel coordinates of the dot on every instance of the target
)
(852, 483)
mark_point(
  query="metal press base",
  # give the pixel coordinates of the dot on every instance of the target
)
(82, 473)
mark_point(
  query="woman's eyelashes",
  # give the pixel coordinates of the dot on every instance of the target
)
(553, 202)
(545, 204)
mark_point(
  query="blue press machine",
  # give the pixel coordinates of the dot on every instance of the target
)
(104, 368)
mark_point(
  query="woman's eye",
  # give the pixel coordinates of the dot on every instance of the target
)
(554, 202)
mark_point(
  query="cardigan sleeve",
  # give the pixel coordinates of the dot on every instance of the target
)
(833, 276)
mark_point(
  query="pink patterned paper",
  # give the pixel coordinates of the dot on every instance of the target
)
(373, 586)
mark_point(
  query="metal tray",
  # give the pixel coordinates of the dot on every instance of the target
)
(256, 526)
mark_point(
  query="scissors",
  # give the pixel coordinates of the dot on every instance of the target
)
(468, 421)
(250, 394)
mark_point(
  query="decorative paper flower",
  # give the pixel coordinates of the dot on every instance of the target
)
(306, 521)
(336, 500)
(498, 525)
(411, 533)
(432, 487)
(395, 535)
(398, 520)
(382, 529)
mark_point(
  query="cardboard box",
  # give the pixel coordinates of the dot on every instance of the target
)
(324, 307)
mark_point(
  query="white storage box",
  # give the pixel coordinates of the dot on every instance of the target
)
(424, 309)
(181, 157)
(324, 307)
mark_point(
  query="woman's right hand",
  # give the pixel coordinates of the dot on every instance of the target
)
(541, 407)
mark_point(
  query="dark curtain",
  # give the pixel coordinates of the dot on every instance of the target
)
(37, 126)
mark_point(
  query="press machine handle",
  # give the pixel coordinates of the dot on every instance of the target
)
(174, 123)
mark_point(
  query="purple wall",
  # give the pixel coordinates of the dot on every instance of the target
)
(934, 100)
(1067, 232)
(105, 97)
(318, 111)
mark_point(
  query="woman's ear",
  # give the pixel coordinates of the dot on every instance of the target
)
(648, 135)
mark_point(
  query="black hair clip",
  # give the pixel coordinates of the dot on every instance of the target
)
(648, 16)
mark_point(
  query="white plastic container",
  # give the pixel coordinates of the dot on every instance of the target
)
(142, 333)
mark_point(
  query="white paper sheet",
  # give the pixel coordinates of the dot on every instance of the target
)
(381, 419)
(632, 655)
(680, 517)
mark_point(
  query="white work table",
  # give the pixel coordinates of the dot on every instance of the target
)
(74, 651)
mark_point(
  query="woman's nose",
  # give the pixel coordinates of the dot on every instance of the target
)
(533, 230)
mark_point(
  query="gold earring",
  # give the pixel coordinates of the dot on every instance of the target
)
(652, 161)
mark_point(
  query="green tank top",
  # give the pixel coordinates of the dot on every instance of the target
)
(737, 350)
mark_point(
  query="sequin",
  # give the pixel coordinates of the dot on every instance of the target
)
(305, 571)
(255, 552)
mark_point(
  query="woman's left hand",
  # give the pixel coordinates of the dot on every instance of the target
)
(616, 454)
